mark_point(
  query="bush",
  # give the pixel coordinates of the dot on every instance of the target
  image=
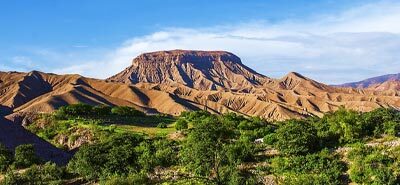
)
(181, 124)
(296, 137)
(212, 152)
(320, 168)
(269, 139)
(126, 111)
(101, 110)
(162, 125)
(117, 156)
(374, 166)
(6, 158)
(139, 178)
(48, 173)
(79, 109)
(25, 156)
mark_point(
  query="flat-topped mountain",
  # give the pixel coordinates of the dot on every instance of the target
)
(202, 70)
(174, 81)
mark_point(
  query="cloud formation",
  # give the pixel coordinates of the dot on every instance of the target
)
(348, 46)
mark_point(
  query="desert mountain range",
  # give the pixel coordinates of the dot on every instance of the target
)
(379, 83)
(174, 81)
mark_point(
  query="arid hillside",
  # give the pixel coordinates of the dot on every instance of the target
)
(380, 83)
(174, 81)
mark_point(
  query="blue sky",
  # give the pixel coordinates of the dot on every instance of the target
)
(330, 41)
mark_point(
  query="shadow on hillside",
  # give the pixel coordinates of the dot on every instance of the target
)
(4, 110)
(13, 135)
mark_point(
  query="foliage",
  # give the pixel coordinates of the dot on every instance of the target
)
(181, 124)
(296, 137)
(126, 111)
(139, 178)
(48, 173)
(319, 168)
(162, 125)
(6, 158)
(25, 156)
(116, 156)
(211, 152)
(79, 109)
(374, 166)
(345, 126)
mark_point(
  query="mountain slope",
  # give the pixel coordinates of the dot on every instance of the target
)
(380, 83)
(174, 81)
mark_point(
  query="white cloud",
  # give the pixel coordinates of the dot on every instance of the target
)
(352, 45)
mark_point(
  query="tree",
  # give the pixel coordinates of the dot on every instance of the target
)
(101, 110)
(25, 156)
(181, 124)
(79, 109)
(6, 158)
(126, 111)
(211, 152)
(117, 156)
(296, 137)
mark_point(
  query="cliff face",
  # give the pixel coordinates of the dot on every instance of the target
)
(202, 70)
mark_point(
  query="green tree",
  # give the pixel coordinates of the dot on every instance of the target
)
(211, 153)
(116, 156)
(126, 111)
(25, 156)
(296, 137)
(181, 124)
(6, 158)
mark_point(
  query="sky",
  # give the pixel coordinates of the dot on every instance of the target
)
(331, 41)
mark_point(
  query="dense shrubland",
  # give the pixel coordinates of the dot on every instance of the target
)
(219, 149)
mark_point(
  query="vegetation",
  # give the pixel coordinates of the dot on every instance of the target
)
(341, 147)
(6, 158)
(375, 165)
(25, 156)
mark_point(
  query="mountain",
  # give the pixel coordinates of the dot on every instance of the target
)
(202, 70)
(380, 83)
(174, 81)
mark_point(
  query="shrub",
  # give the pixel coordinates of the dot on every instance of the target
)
(48, 173)
(101, 110)
(137, 178)
(126, 111)
(320, 168)
(6, 158)
(25, 156)
(296, 137)
(162, 125)
(79, 109)
(373, 166)
(269, 139)
(211, 152)
(181, 124)
(115, 156)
